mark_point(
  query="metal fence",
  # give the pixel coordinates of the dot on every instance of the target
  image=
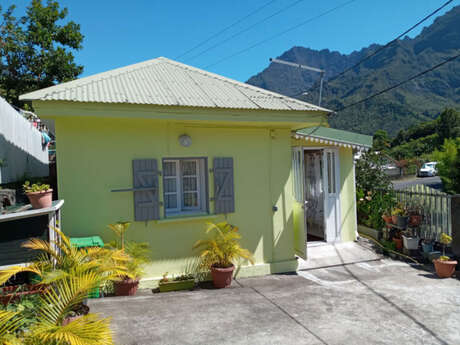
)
(436, 209)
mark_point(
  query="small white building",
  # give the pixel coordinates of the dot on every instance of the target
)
(21, 150)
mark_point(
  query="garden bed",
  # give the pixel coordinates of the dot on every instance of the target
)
(177, 285)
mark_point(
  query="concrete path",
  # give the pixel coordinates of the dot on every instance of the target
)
(377, 302)
(321, 254)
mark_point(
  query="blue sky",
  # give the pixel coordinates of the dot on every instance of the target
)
(119, 33)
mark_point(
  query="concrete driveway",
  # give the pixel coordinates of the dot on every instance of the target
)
(378, 302)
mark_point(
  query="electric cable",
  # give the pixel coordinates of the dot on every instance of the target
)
(246, 29)
(281, 33)
(400, 83)
(225, 29)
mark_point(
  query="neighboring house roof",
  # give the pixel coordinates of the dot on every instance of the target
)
(162, 81)
(335, 137)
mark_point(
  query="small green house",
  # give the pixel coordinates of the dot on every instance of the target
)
(171, 147)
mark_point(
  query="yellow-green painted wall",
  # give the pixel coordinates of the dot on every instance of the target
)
(95, 156)
(347, 188)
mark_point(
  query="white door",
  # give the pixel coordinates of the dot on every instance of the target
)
(332, 194)
(314, 194)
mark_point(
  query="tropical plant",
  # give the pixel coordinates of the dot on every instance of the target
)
(10, 322)
(36, 187)
(373, 205)
(69, 274)
(445, 240)
(53, 307)
(138, 252)
(224, 249)
(26, 306)
(58, 260)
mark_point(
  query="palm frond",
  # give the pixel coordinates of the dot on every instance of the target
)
(9, 323)
(41, 245)
(86, 330)
(7, 273)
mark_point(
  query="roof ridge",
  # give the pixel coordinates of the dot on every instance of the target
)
(96, 77)
(241, 84)
(138, 76)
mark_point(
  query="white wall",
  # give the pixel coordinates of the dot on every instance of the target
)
(20, 147)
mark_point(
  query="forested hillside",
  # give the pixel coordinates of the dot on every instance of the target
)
(418, 101)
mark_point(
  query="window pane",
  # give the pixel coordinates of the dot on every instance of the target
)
(171, 201)
(169, 169)
(190, 200)
(189, 184)
(188, 168)
(170, 185)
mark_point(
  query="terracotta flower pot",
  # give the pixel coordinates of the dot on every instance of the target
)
(398, 243)
(41, 199)
(387, 219)
(394, 219)
(126, 287)
(444, 269)
(415, 220)
(222, 277)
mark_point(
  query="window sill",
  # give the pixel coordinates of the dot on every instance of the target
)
(186, 218)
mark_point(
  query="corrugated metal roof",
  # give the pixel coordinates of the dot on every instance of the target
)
(332, 135)
(162, 81)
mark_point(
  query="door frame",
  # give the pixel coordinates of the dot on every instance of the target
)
(331, 235)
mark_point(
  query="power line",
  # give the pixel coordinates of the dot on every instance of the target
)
(281, 33)
(246, 29)
(389, 43)
(225, 29)
(400, 83)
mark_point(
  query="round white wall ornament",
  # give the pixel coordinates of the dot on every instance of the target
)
(185, 140)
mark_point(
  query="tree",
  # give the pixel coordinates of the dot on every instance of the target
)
(448, 124)
(370, 173)
(381, 141)
(449, 165)
(36, 49)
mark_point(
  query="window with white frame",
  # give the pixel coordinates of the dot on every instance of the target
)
(184, 186)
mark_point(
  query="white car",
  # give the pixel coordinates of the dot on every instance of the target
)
(428, 169)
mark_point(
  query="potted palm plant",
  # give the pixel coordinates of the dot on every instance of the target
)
(67, 275)
(444, 266)
(138, 253)
(40, 195)
(221, 251)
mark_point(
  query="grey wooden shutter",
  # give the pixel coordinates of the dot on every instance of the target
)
(224, 194)
(146, 193)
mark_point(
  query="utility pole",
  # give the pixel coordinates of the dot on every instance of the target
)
(314, 69)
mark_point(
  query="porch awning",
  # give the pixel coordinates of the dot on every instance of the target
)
(336, 137)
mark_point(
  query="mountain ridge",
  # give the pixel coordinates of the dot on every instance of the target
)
(419, 100)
